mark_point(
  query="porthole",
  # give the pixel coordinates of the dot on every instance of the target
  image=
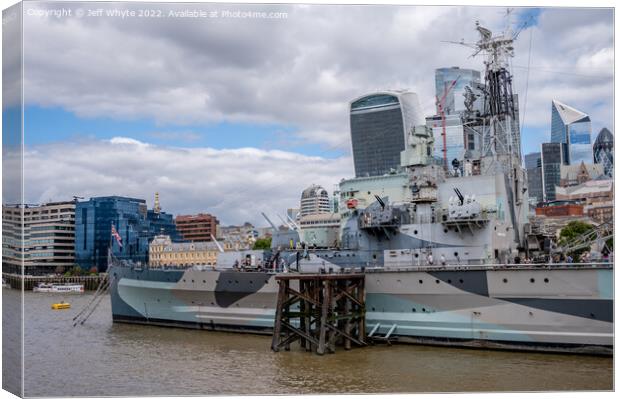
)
(204, 281)
(183, 280)
(415, 232)
(266, 281)
(192, 281)
(461, 280)
(421, 282)
(592, 315)
(423, 309)
(415, 255)
(236, 281)
(373, 309)
(445, 231)
(229, 281)
(546, 280)
(505, 280)
(456, 254)
(437, 281)
(413, 310)
(449, 281)
(532, 280)
(251, 282)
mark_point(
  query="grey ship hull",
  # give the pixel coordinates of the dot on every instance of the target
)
(540, 308)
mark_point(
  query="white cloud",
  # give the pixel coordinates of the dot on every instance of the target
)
(301, 71)
(236, 185)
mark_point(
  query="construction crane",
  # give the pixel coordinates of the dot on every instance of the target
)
(441, 108)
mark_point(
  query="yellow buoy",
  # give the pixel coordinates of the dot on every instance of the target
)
(61, 305)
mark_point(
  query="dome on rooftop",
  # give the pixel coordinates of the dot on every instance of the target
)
(314, 191)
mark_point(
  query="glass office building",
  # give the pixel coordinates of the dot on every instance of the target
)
(454, 102)
(380, 123)
(604, 151)
(573, 128)
(552, 158)
(135, 224)
(455, 139)
(533, 167)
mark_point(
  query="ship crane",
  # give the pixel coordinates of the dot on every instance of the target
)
(441, 108)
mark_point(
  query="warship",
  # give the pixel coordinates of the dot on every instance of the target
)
(443, 251)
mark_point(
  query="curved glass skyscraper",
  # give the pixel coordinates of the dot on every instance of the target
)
(604, 151)
(380, 123)
(573, 128)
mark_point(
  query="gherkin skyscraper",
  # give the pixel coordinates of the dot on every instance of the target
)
(604, 151)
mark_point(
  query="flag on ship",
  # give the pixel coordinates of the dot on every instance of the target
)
(117, 236)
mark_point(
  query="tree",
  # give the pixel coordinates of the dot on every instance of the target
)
(571, 231)
(76, 270)
(262, 243)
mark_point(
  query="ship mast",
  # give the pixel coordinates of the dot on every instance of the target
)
(500, 127)
(498, 124)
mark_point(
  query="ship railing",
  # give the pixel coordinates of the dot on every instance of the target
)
(495, 266)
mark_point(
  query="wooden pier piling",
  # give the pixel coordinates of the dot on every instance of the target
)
(325, 310)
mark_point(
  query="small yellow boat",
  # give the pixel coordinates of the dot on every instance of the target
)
(61, 306)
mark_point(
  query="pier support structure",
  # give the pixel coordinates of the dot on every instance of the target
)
(325, 310)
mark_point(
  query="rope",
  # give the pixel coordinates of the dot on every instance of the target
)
(527, 82)
(92, 308)
(96, 294)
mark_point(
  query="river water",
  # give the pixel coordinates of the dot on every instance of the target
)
(105, 358)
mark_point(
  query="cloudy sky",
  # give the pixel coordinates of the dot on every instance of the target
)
(235, 116)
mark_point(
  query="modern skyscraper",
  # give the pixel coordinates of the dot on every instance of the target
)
(455, 98)
(456, 84)
(314, 200)
(533, 160)
(455, 138)
(131, 219)
(552, 158)
(604, 151)
(573, 128)
(380, 123)
(533, 166)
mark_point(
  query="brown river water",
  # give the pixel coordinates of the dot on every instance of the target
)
(103, 358)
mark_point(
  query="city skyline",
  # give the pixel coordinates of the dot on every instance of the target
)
(217, 121)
